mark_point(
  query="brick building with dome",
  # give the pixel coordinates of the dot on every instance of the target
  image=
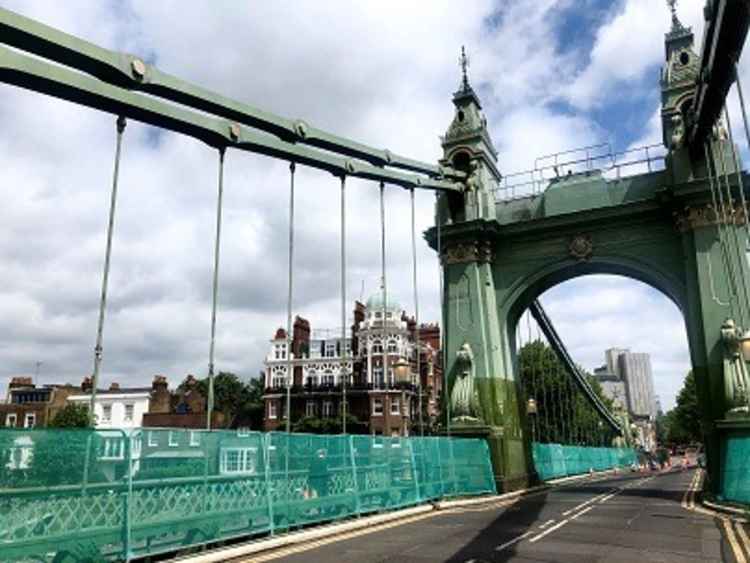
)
(378, 358)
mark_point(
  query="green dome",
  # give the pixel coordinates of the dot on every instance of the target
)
(375, 302)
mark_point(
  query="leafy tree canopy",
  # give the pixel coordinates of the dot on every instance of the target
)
(71, 415)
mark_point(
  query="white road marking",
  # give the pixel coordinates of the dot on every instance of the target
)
(547, 523)
(583, 504)
(513, 541)
(548, 531)
(584, 511)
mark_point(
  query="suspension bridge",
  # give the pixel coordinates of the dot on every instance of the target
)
(673, 216)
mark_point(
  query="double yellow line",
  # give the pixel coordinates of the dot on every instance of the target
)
(734, 529)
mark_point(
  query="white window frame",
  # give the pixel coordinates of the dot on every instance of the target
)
(113, 448)
(11, 417)
(32, 416)
(195, 438)
(330, 349)
(152, 441)
(395, 402)
(379, 403)
(105, 418)
(328, 408)
(310, 406)
(273, 410)
(246, 461)
(173, 442)
(125, 416)
(328, 378)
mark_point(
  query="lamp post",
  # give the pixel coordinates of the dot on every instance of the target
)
(531, 410)
(401, 372)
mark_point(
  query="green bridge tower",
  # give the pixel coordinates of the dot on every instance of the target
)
(680, 228)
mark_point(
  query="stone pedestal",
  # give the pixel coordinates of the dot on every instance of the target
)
(502, 456)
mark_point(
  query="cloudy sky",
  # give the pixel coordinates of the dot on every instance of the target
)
(552, 75)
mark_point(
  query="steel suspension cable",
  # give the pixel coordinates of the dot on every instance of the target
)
(344, 370)
(729, 215)
(120, 126)
(443, 365)
(742, 105)
(735, 158)
(289, 303)
(741, 249)
(383, 288)
(416, 312)
(215, 290)
(708, 149)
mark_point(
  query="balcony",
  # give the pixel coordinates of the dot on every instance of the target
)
(334, 389)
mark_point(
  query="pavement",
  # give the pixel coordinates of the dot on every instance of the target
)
(630, 518)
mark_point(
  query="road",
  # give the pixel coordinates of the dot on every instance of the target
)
(630, 518)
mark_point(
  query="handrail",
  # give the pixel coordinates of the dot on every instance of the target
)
(540, 176)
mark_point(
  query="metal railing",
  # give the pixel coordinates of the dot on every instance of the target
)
(595, 158)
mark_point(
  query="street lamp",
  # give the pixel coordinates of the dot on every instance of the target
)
(401, 370)
(531, 410)
(745, 345)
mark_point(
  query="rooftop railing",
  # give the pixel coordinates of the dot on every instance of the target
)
(594, 158)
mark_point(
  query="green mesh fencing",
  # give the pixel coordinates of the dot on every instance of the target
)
(106, 495)
(735, 477)
(555, 460)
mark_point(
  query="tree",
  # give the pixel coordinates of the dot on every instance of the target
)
(684, 421)
(328, 425)
(71, 415)
(564, 415)
(235, 398)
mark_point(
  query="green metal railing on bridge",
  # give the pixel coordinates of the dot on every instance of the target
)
(98, 495)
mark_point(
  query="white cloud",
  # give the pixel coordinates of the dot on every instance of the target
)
(379, 72)
(625, 48)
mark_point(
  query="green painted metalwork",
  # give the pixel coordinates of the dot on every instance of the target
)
(735, 475)
(678, 224)
(552, 461)
(68, 495)
(132, 73)
(47, 78)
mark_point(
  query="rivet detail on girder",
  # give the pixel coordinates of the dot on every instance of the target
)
(234, 131)
(301, 128)
(138, 67)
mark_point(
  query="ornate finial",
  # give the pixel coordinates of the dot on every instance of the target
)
(676, 24)
(463, 60)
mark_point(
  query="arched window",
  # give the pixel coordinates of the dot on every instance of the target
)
(312, 377)
(392, 347)
(328, 378)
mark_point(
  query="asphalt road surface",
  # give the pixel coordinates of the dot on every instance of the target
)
(630, 518)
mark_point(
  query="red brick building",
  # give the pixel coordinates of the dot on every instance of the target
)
(379, 339)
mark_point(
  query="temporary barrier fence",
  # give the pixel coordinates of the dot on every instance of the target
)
(555, 460)
(97, 495)
(735, 477)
